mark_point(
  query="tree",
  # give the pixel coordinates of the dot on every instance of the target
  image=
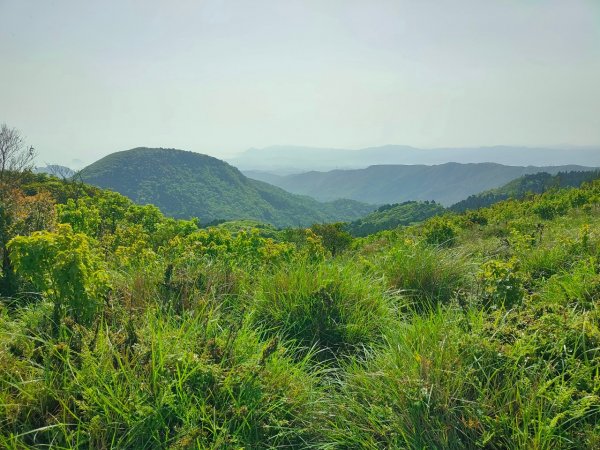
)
(15, 157)
(20, 215)
(334, 237)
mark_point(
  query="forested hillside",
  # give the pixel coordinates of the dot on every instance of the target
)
(388, 217)
(445, 183)
(122, 328)
(522, 186)
(186, 184)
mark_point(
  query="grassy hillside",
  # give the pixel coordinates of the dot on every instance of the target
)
(121, 328)
(445, 183)
(186, 184)
(388, 217)
(522, 186)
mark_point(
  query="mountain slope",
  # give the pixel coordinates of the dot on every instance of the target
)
(520, 187)
(186, 184)
(445, 183)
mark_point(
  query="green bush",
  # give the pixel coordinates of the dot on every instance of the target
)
(416, 393)
(578, 287)
(501, 282)
(62, 266)
(439, 231)
(549, 209)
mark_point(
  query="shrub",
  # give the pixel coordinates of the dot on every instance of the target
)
(502, 283)
(549, 209)
(156, 382)
(579, 286)
(439, 231)
(64, 268)
(333, 236)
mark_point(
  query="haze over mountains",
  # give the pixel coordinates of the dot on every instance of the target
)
(445, 183)
(284, 160)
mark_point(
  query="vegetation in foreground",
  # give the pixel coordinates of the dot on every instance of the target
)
(121, 328)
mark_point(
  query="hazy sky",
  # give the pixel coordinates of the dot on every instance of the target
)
(82, 79)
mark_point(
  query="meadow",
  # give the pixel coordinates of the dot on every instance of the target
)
(122, 328)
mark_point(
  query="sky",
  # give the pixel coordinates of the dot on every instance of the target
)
(82, 79)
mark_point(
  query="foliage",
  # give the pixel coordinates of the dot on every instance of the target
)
(331, 308)
(424, 274)
(63, 267)
(439, 231)
(151, 332)
(501, 282)
(333, 237)
(526, 185)
(20, 215)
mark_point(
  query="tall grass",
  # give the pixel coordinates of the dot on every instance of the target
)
(396, 343)
(426, 274)
(163, 382)
(334, 308)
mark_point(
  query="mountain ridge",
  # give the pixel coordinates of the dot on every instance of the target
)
(282, 159)
(446, 183)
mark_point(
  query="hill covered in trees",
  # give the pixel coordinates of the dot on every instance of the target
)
(388, 217)
(445, 183)
(123, 328)
(186, 184)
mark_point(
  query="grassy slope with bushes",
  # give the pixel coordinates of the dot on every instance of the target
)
(478, 330)
(528, 184)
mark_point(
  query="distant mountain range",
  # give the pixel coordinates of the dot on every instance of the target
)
(186, 184)
(283, 160)
(445, 183)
